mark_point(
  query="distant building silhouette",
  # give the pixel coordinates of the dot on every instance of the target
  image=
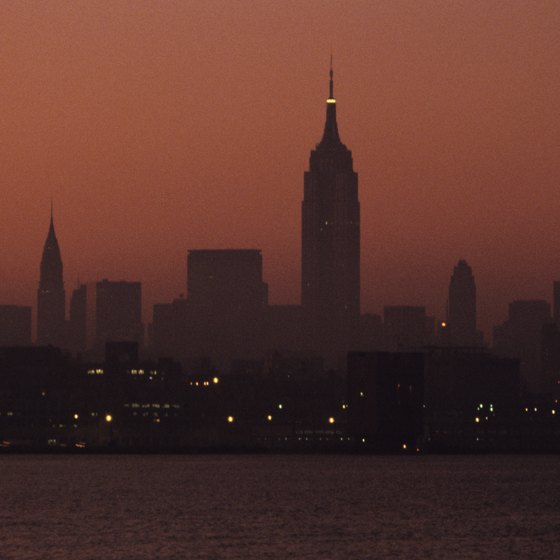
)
(330, 243)
(226, 302)
(118, 312)
(406, 327)
(223, 316)
(170, 328)
(461, 308)
(78, 319)
(51, 298)
(520, 336)
(226, 278)
(15, 325)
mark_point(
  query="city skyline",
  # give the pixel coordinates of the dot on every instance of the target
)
(141, 144)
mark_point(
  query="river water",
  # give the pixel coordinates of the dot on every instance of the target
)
(268, 507)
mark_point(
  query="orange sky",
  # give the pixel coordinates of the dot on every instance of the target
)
(163, 126)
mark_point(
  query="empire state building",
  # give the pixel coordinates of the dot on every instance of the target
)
(330, 256)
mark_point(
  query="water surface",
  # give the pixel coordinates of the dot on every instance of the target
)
(259, 507)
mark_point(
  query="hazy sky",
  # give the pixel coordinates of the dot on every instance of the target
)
(164, 126)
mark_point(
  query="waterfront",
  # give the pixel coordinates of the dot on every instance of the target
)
(321, 506)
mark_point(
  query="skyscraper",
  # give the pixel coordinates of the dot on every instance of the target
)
(461, 310)
(51, 295)
(330, 243)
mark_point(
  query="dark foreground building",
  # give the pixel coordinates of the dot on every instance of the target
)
(385, 397)
(472, 400)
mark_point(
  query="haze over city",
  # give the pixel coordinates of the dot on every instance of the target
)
(279, 279)
(162, 127)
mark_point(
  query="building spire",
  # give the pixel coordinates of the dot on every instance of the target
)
(330, 139)
(51, 237)
(331, 94)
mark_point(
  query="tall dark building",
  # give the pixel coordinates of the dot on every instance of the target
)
(330, 243)
(51, 296)
(461, 308)
(405, 327)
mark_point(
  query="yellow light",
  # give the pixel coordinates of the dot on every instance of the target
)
(443, 325)
(216, 380)
(331, 100)
(269, 417)
(331, 420)
(404, 446)
(477, 419)
(553, 412)
(230, 419)
(108, 418)
(280, 406)
(76, 416)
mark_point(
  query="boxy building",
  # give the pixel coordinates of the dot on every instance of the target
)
(385, 397)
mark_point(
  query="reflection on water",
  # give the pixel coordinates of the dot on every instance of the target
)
(257, 507)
